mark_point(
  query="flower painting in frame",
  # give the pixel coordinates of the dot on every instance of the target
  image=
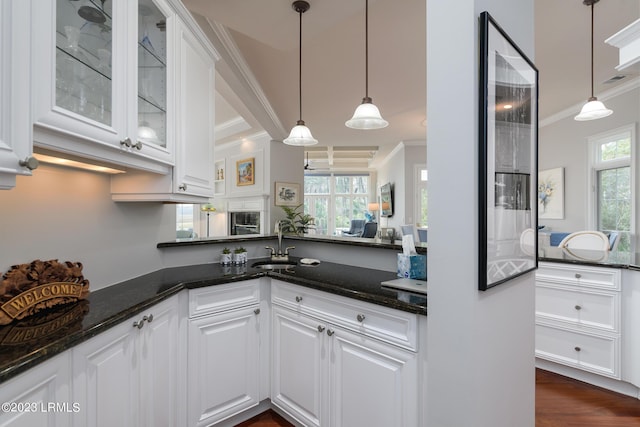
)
(551, 194)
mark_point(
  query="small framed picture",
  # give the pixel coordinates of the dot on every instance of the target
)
(245, 173)
(287, 194)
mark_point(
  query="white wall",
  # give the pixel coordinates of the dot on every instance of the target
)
(480, 353)
(398, 169)
(563, 143)
(68, 215)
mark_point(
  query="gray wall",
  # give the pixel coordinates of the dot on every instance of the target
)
(563, 143)
(480, 349)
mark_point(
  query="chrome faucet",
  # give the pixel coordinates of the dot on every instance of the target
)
(278, 255)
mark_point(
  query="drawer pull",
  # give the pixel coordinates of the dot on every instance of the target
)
(578, 275)
(330, 332)
(578, 307)
(360, 318)
(320, 328)
(298, 299)
(256, 311)
(577, 348)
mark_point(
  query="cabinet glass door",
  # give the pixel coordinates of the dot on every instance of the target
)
(83, 58)
(152, 74)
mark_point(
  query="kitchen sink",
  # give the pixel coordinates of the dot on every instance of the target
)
(274, 265)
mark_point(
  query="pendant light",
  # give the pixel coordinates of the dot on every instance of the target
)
(300, 134)
(593, 109)
(367, 115)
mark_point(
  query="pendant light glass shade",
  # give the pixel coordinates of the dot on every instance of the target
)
(593, 109)
(300, 134)
(367, 115)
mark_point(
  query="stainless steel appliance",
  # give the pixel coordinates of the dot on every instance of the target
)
(244, 223)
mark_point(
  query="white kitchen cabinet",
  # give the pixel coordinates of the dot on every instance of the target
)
(192, 177)
(31, 394)
(128, 375)
(224, 371)
(578, 317)
(102, 81)
(15, 126)
(339, 362)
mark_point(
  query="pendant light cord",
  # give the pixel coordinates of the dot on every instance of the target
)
(366, 49)
(300, 68)
(592, 4)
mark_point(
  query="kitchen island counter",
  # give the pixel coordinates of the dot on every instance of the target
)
(26, 343)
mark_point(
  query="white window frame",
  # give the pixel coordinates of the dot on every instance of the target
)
(594, 142)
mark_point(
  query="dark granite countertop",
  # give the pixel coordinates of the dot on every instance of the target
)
(421, 247)
(26, 343)
(613, 259)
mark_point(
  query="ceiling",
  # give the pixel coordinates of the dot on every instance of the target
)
(258, 84)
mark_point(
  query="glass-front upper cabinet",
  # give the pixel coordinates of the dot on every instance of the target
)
(100, 80)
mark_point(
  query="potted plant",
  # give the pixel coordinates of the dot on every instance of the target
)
(225, 258)
(296, 222)
(239, 255)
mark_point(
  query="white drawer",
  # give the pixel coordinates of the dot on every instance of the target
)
(578, 275)
(217, 298)
(386, 324)
(587, 307)
(595, 353)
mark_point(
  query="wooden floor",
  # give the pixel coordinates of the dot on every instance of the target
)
(560, 402)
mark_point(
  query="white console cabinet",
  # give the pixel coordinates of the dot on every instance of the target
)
(128, 375)
(341, 362)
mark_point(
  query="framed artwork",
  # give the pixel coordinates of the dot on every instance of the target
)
(551, 194)
(245, 172)
(287, 194)
(508, 158)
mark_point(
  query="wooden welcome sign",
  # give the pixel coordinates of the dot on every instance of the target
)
(27, 289)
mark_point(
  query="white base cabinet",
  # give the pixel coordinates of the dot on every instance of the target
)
(335, 373)
(225, 332)
(578, 317)
(31, 394)
(128, 375)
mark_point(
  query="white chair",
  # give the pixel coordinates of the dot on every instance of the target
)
(590, 239)
(528, 241)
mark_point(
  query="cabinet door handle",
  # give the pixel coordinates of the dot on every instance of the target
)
(298, 299)
(256, 311)
(320, 328)
(577, 307)
(126, 142)
(330, 332)
(29, 162)
(360, 318)
(182, 187)
(578, 275)
(577, 348)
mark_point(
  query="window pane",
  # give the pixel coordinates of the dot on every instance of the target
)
(343, 219)
(614, 203)
(617, 149)
(316, 184)
(342, 184)
(360, 184)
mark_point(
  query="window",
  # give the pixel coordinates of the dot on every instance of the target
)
(611, 178)
(335, 199)
(421, 196)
